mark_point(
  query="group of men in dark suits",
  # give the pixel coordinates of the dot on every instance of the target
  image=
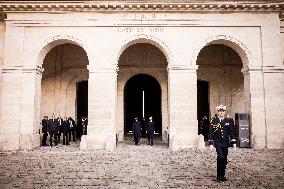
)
(54, 127)
(149, 127)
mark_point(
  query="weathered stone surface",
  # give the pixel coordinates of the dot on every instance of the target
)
(144, 166)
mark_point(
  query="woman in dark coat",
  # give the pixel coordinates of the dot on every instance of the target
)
(136, 129)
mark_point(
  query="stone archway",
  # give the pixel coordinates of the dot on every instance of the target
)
(251, 85)
(220, 66)
(63, 64)
(142, 57)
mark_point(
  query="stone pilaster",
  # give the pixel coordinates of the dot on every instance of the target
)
(254, 102)
(30, 127)
(10, 108)
(20, 122)
(274, 100)
(182, 88)
(101, 109)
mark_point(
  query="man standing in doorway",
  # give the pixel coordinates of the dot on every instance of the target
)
(44, 124)
(72, 131)
(150, 126)
(53, 129)
(221, 130)
(59, 126)
(143, 127)
(66, 130)
(136, 129)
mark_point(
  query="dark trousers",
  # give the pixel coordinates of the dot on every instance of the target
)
(79, 133)
(53, 134)
(59, 135)
(44, 138)
(222, 153)
(136, 139)
(65, 138)
(73, 132)
(150, 139)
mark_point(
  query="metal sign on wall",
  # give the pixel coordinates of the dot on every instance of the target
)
(243, 129)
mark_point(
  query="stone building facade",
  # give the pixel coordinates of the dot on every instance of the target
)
(233, 48)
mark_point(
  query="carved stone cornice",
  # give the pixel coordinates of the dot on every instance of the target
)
(89, 6)
(273, 69)
(265, 69)
(182, 68)
(96, 69)
(22, 69)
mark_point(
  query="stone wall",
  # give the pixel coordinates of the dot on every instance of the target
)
(282, 37)
(2, 47)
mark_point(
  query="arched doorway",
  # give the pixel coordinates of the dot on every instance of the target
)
(142, 98)
(143, 62)
(220, 66)
(64, 66)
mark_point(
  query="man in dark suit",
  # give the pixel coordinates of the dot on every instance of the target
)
(81, 127)
(84, 125)
(44, 129)
(65, 130)
(60, 127)
(221, 130)
(143, 127)
(150, 126)
(72, 131)
(53, 129)
(203, 127)
(136, 129)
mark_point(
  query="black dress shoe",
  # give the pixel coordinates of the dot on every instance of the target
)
(224, 179)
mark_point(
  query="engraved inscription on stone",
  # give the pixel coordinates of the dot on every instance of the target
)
(143, 16)
(140, 29)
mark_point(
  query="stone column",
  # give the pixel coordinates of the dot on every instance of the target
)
(30, 127)
(101, 109)
(254, 103)
(182, 87)
(10, 108)
(274, 100)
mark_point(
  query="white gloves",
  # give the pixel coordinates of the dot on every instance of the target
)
(234, 147)
(211, 147)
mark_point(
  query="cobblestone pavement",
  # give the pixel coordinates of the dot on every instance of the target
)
(144, 166)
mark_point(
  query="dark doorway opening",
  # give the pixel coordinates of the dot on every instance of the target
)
(202, 99)
(133, 101)
(203, 108)
(82, 99)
